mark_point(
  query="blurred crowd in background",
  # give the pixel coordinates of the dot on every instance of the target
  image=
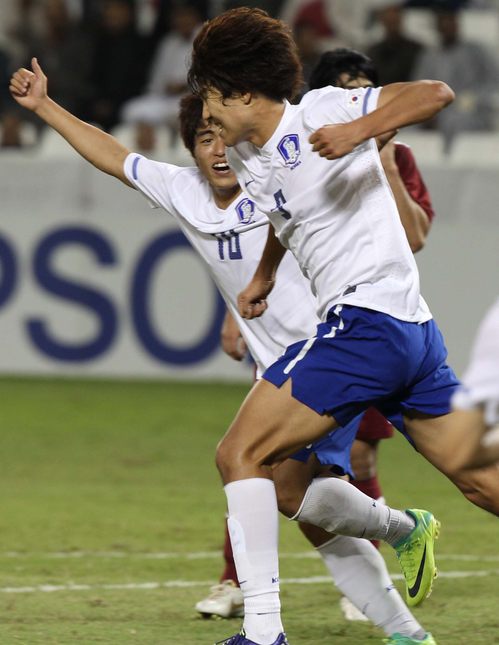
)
(123, 63)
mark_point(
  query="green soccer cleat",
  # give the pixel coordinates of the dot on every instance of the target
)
(415, 554)
(398, 639)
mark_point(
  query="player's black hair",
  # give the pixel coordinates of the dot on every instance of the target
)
(190, 118)
(340, 61)
(245, 50)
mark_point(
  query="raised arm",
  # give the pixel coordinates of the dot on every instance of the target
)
(399, 105)
(102, 150)
(253, 300)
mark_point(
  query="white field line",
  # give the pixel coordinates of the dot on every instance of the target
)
(207, 555)
(207, 583)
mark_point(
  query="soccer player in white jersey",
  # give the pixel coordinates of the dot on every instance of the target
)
(314, 169)
(348, 69)
(477, 401)
(229, 234)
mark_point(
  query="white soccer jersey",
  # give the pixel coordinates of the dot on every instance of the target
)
(339, 218)
(481, 380)
(231, 243)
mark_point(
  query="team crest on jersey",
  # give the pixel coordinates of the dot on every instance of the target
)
(289, 147)
(245, 210)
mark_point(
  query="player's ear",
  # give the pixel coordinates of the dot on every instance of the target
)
(247, 98)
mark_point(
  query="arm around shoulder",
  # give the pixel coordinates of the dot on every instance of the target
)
(436, 94)
(400, 105)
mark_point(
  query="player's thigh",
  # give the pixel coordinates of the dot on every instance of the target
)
(270, 426)
(433, 437)
(364, 459)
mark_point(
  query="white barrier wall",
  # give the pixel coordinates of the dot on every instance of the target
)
(94, 282)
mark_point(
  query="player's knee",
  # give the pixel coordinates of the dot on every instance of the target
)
(231, 457)
(483, 499)
(224, 458)
(288, 500)
(480, 487)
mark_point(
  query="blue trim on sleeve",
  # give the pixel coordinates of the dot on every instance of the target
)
(366, 99)
(134, 168)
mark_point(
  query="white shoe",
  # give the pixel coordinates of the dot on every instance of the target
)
(225, 600)
(351, 612)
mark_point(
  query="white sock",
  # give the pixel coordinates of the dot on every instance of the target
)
(340, 508)
(254, 532)
(359, 571)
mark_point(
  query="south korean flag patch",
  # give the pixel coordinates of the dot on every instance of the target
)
(355, 99)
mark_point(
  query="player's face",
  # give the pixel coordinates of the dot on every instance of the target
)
(230, 115)
(348, 82)
(209, 150)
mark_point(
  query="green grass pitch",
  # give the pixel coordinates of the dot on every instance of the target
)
(97, 478)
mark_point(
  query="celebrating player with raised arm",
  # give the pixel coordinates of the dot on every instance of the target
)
(229, 234)
(314, 169)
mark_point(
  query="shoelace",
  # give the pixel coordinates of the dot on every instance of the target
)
(216, 591)
(407, 559)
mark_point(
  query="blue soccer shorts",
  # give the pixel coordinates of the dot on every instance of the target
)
(334, 449)
(361, 358)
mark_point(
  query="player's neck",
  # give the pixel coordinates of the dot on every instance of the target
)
(266, 120)
(225, 196)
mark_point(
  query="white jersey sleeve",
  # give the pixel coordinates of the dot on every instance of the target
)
(481, 381)
(331, 105)
(230, 243)
(161, 183)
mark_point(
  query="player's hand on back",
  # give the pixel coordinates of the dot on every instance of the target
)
(232, 341)
(29, 88)
(253, 300)
(335, 141)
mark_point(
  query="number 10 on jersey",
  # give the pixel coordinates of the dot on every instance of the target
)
(233, 245)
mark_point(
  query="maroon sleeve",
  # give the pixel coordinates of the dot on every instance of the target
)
(412, 179)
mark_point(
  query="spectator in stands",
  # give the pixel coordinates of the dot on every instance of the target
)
(396, 55)
(10, 121)
(272, 7)
(120, 65)
(168, 80)
(314, 14)
(471, 72)
(20, 22)
(4, 80)
(65, 51)
(165, 9)
(346, 23)
(307, 41)
(438, 4)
